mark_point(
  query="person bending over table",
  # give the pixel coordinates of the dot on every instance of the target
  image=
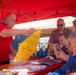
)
(62, 53)
(58, 52)
(6, 33)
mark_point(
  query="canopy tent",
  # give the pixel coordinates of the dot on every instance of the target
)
(31, 10)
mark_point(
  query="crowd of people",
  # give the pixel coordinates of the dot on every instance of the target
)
(63, 41)
(61, 45)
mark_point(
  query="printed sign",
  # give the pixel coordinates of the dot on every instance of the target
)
(28, 47)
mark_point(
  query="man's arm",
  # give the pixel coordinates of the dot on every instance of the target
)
(60, 54)
(16, 32)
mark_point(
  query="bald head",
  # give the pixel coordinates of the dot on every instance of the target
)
(60, 19)
(9, 20)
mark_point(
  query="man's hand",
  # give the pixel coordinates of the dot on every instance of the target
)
(14, 53)
(63, 56)
(31, 30)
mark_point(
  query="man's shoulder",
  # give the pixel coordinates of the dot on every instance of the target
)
(55, 31)
(72, 58)
(67, 29)
(1, 24)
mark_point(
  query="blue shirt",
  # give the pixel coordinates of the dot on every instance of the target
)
(63, 70)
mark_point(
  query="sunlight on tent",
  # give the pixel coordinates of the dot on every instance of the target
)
(44, 24)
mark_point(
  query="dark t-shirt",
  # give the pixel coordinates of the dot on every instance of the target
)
(65, 50)
(4, 45)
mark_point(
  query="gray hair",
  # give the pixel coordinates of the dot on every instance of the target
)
(6, 18)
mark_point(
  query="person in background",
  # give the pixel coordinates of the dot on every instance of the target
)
(41, 53)
(74, 25)
(6, 33)
(60, 29)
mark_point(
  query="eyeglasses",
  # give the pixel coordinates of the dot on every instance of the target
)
(60, 25)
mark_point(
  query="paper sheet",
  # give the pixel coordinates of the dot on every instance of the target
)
(28, 47)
